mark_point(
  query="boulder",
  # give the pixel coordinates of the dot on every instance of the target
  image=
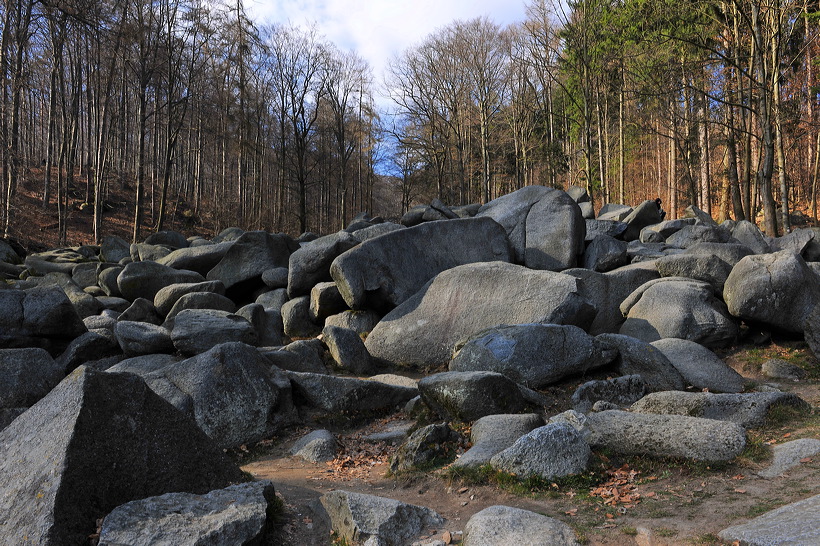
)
(267, 323)
(142, 338)
(666, 435)
(384, 272)
(319, 446)
(173, 239)
(605, 253)
(492, 434)
(795, 523)
(273, 299)
(544, 225)
(310, 264)
(348, 350)
(58, 260)
(141, 310)
(462, 301)
(776, 368)
(620, 391)
(797, 241)
(26, 375)
(681, 308)
(299, 356)
(199, 300)
(296, 318)
(371, 232)
(145, 279)
(749, 235)
(604, 227)
(143, 252)
(143, 364)
(614, 212)
(360, 322)
(196, 258)
(325, 300)
(706, 268)
(731, 253)
(645, 214)
(552, 451)
(534, 355)
(107, 279)
(699, 366)
(789, 455)
(335, 395)
(237, 514)
(113, 249)
(249, 256)
(198, 330)
(658, 233)
(777, 289)
(507, 526)
(165, 299)
(692, 235)
(606, 291)
(376, 520)
(425, 447)
(636, 357)
(38, 317)
(749, 410)
(701, 216)
(467, 396)
(91, 345)
(276, 277)
(230, 391)
(96, 441)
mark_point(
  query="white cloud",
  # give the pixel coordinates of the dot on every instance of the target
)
(380, 29)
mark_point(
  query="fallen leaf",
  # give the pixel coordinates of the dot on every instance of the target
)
(610, 516)
(573, 512)
(738, 477)
(447, 538)
(740, 491)
(806, 460)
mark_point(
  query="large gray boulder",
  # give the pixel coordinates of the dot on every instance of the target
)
(234, 515)
(636, 357)
(749, 410)
(145, 279)
(26, 375)
(788, 455)
(38, 317)
(699, 366)
(347, 395)
(384, 272)
(534, 355)
(96, 441)
(230, 391)
(92, 345)
(544, 225)
(621, 391)
(198, 330)
(507, 526)
(326, 300)
(249, 256)
(113, 249)
(795, 523)
(319, 446)
(777, 289)
(85, 303)
(749, 235)
(467, 396)
(296, 319)
(166, 297)
(347, 350)
(552, 451)
(425, 446)
(462, 301)
(310, 264)
(645, 214)
(606, 291)
(376, 521)
(197, 258)
(494, 433)
(658, 233)
(142, 338)
(360, 322)
(692, 235)
(267, 323)
(199, 300)
(605, 253)
(58, 260)
(666, 435)
(706, 268)
(681, 308)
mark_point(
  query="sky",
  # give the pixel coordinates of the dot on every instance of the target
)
(380, 29)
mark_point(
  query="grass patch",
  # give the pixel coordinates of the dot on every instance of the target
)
(526, 486)
(665, 532)
(630, 531)
(707, 539)
(755, 452)
(762, 507)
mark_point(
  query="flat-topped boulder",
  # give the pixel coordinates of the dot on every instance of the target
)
(382, 273)
(145, 279)
(467, 396)
(699, 366)
(508, 526)
(465, 300)
(534, 355)
(335, 395)
(545, 226)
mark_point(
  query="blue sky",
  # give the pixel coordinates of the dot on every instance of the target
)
(380, 29)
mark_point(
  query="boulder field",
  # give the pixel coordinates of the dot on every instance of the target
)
(127, 370)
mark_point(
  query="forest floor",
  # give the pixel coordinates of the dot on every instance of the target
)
(624, 500)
